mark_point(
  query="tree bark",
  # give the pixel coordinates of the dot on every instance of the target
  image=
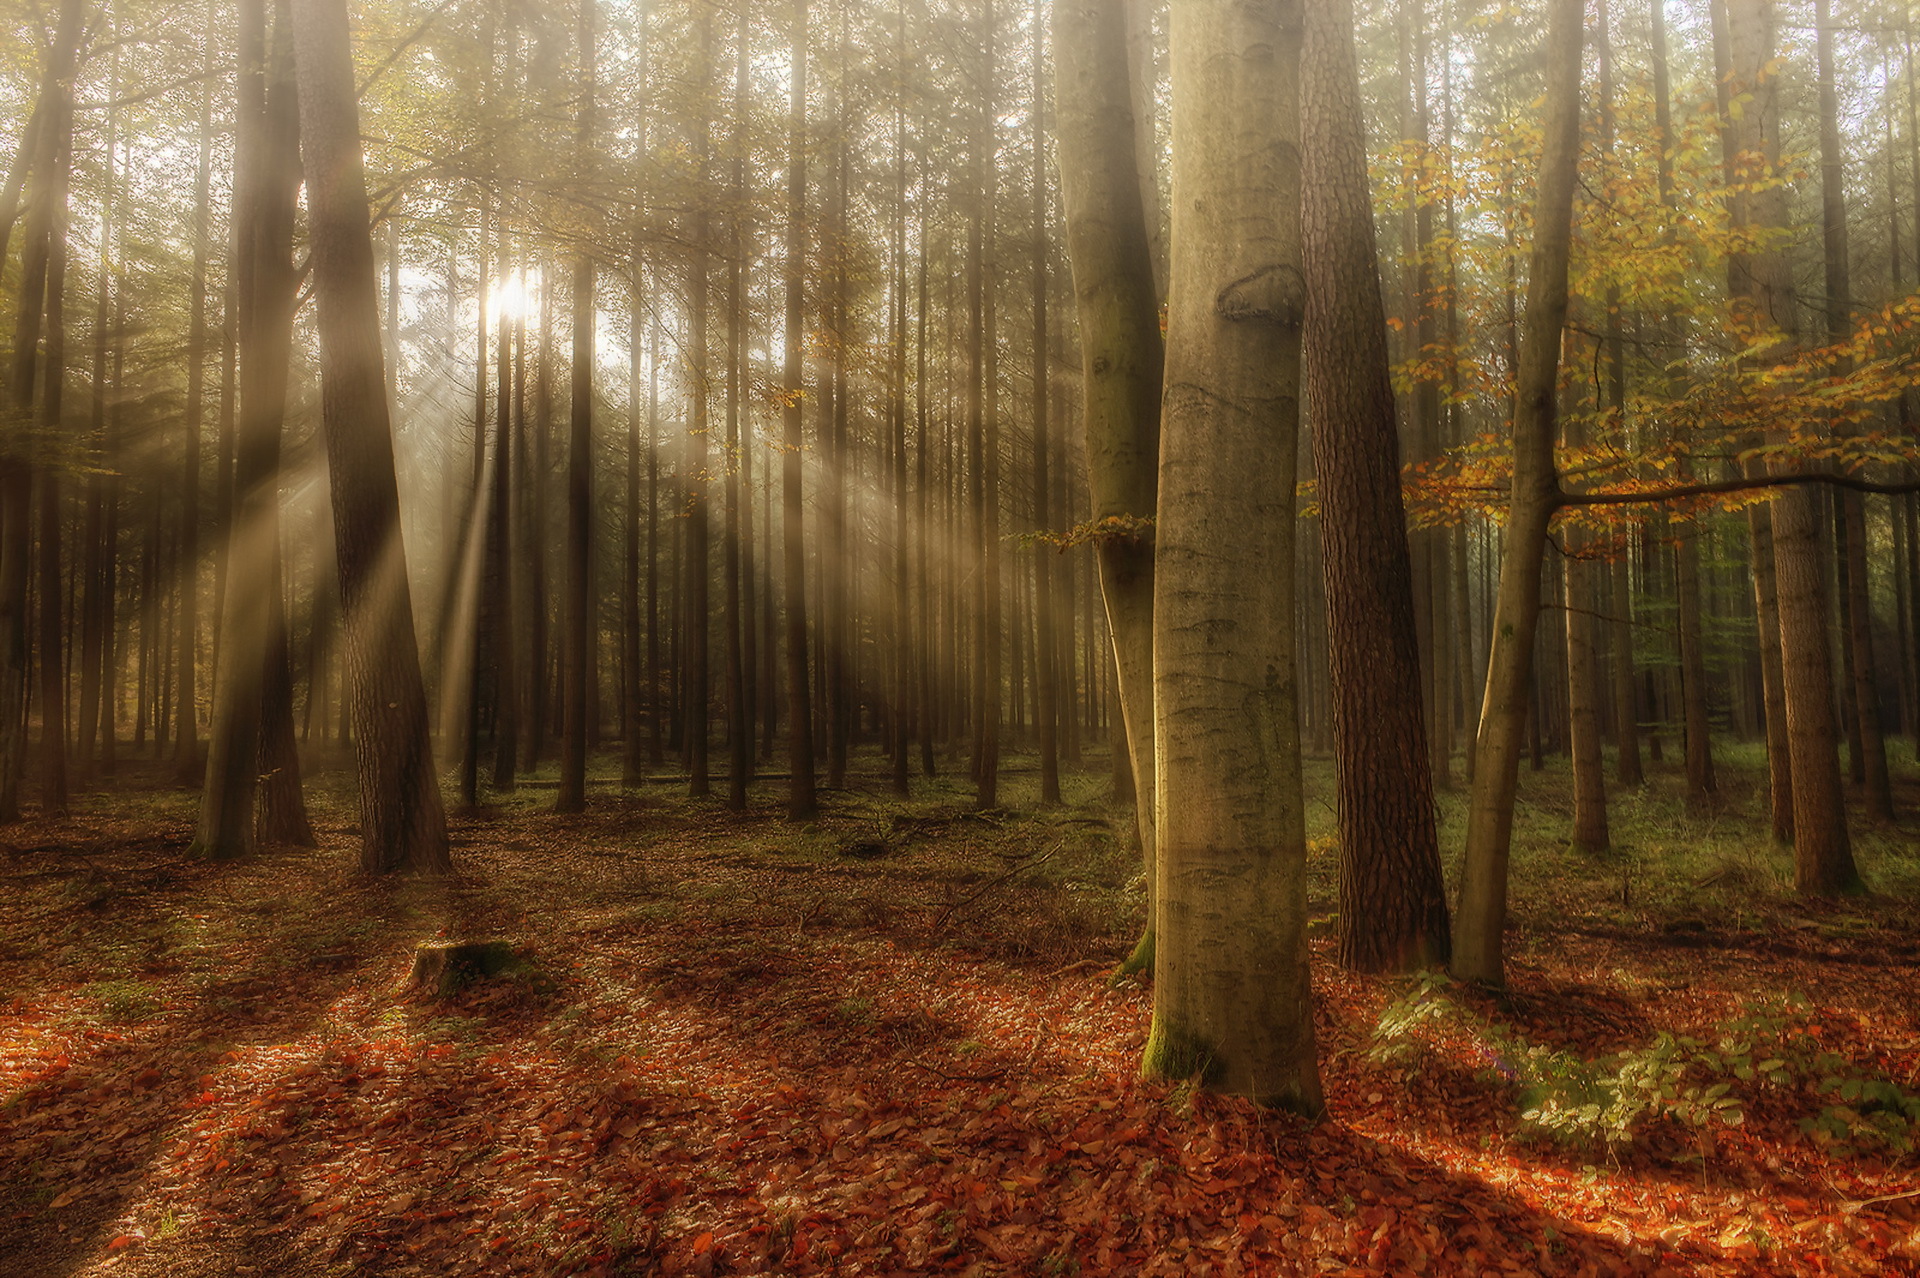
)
(580, 617)
(1480, 924)
(1121, 354)
(802, 803)
(402, 822)
(1232, 1005)
(1393, 903)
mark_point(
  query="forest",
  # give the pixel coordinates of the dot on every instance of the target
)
(1031, 637)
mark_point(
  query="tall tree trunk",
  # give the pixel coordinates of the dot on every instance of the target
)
(186, 746)
(1822, 852)
(694, 598)
(984, 436)
(739, 711)
(1393, 903)
(43, 240)
(633, 766)
(1480, 924)
(802, 805)
(252, 623)
(1046, 664)
(96, 571)
(402, 823)
(1232, 1004)
(580, 637)
(1121, 362)
(1857, 599)
(52, 429)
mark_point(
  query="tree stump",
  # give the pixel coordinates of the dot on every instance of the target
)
(445, 967)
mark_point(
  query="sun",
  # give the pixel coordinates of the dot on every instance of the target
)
(511, 297)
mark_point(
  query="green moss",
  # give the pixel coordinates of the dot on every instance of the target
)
(1174, 1053)
(1137, 963)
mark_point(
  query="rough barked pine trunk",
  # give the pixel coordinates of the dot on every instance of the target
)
(1232, 1004)
(1121, 359)
(802, 803)
(1393, 900)
(1480, 923)
(402, 820)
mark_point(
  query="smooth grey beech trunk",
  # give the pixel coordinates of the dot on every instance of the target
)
(1232, 1004)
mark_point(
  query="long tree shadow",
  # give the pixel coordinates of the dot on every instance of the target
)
(126, 1072)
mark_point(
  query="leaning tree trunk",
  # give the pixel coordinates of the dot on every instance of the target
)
(1393, 899)
(1478, 940)
(1109, 249)
(402, 821)
(1232, 1004)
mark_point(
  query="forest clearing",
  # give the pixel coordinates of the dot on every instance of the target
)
(869, 1046)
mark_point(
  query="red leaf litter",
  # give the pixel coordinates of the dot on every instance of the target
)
(749, 1055)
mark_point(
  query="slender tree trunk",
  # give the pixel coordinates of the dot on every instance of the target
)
(402, 822)
(739, 711)
(581, 620)
(1121, 362)
(96, 572)
(52, 427)
(984, 438)
(1857, 601)
(1393, 904)
(633, 764)
(1823, 856)
(186, 746)
(1480, 924)
(802, 805)
(1046, 664)
(1232, 1004)
(696, 534)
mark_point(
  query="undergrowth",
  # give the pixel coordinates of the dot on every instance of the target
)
(1612, 1100)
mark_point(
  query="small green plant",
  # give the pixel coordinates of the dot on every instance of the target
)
(123, 1002)
(1688, 1080)
(1562, 1094)
(855, 1012)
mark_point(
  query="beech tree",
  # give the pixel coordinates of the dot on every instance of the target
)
(1231, 999)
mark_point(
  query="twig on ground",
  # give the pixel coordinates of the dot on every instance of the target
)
(957, 1078)
(993, 883)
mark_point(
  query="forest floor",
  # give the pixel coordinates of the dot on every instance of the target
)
(887, 1044)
